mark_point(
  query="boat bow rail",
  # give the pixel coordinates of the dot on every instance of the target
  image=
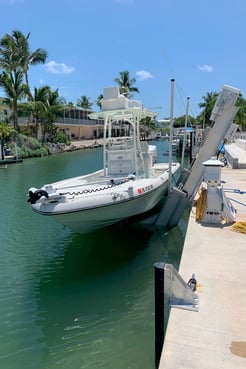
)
(52, 193)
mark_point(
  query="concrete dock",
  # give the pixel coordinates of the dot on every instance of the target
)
(215, 336)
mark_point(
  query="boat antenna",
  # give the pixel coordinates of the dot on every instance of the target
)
(171, 136)
(185, 127)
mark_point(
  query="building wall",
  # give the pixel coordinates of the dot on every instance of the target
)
(74, 123)
(80, 132)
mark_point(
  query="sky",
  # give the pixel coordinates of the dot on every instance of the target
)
(201, 44)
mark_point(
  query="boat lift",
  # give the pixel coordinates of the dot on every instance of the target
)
(181, 196)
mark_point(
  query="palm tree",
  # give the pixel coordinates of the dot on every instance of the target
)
(44, 109)
(84, 103)
(8, 54)
(36, 108)
(147, 125)
(125, 84)
(180, 121)
(15, 53)
(15, 90)
(98, 101)
(207, 105)
(54, 108)
(240, 118)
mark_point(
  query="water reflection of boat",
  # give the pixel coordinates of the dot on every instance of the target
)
(130, 183)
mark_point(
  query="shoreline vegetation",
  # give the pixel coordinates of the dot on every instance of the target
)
(26, 148)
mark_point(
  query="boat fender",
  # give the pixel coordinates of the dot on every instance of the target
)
(192, 283)
(36, 195)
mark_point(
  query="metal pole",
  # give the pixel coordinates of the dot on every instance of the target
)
(191, 146)
(171, 137)
(185, 127)
(159, 310)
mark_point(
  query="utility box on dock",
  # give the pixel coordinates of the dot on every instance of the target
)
(214, 203)
(212, 171)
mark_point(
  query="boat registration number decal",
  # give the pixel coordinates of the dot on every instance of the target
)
(145, 189)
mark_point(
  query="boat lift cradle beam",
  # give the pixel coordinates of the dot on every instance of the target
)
(180, 198)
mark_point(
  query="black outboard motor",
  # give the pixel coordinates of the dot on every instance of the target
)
(36, 195)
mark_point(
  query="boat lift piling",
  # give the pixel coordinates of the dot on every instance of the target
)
(171, 291)
(159, 310)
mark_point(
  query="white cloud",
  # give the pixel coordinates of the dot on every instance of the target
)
(143, 75)
(58, 68)
(205, 68)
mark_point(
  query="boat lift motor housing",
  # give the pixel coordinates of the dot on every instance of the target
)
(218, 207)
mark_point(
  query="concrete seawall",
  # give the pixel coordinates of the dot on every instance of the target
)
(215, 336)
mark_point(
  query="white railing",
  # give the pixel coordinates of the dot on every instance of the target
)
(240, 135)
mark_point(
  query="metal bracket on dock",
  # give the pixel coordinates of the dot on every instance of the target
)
(193, 307)
(176, 292)
(179, 292)
(170, 291)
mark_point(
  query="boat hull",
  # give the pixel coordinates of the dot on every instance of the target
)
(88, 220)
(101, 206)
(130, 183)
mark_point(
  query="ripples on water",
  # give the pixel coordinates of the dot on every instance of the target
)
(69, 300)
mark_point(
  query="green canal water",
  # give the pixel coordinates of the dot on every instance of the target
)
(69, 300)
